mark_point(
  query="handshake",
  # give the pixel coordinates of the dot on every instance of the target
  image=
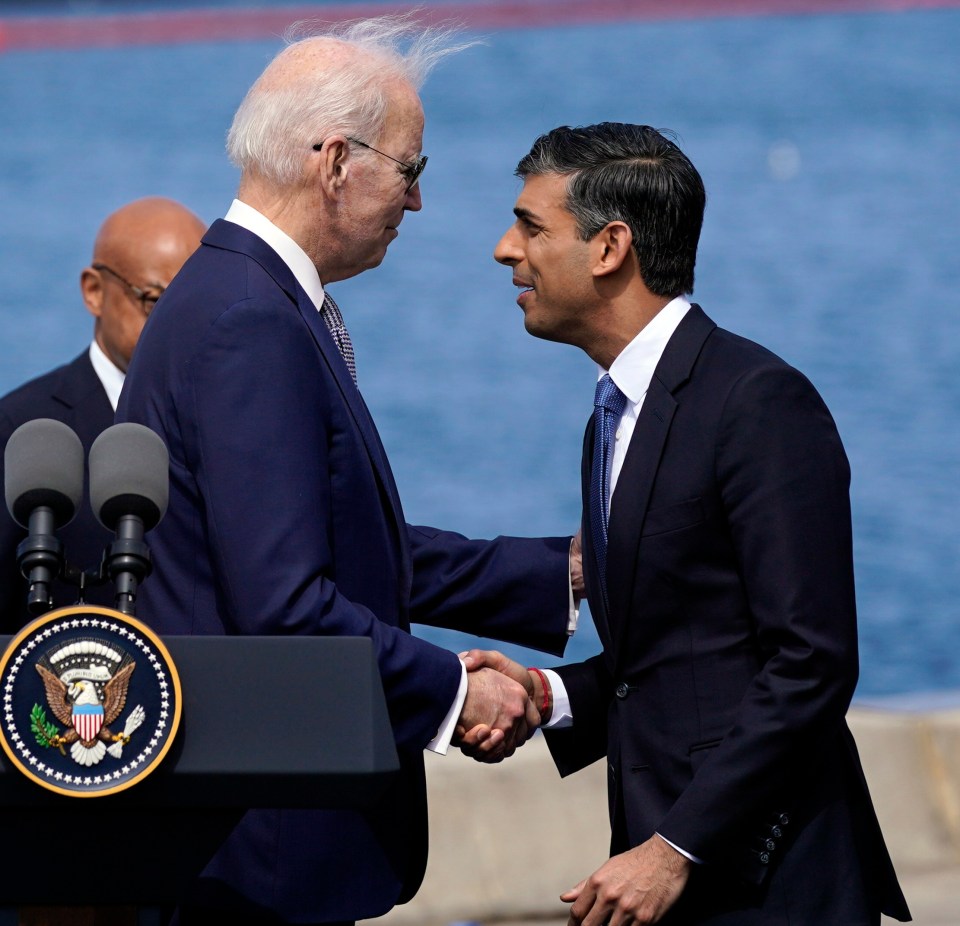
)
(505, 704)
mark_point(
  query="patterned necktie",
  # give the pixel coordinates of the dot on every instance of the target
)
(332, 318)
(609, 403)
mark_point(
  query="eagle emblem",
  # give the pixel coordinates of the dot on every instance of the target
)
(86, 684)
(90, 701)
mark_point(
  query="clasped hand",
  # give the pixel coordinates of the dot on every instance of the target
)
(499, 714)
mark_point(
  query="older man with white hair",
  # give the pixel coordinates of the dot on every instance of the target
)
(283, 515)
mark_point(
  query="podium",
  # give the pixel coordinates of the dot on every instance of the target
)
(294, 722)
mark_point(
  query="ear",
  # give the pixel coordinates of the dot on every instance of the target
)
(611, 246)
(91, 289)
(333, 164)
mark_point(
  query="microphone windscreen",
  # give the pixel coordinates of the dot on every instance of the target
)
(43, 465)
(129, 475)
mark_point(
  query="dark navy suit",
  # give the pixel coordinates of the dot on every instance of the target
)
(74, 395)
(284, 519)
(730, 645)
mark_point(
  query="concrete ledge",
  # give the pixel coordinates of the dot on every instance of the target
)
(912, 764)
(506, 840)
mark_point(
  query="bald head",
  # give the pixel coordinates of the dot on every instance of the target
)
(317, 55)
(137, 252)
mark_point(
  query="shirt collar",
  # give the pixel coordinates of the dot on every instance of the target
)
(287, 249)
(111, 376)
(633, 368)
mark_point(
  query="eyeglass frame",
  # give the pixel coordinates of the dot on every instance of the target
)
(409, 170)
(143, 296)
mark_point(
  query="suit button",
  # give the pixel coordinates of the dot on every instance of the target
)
(764, 858)
(783, 819)
(776, 832)
(770, 845)
(623, 689)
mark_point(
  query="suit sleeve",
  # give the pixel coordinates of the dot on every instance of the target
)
(512, 589)
(257, 438)
(784, 482)
(589, 687)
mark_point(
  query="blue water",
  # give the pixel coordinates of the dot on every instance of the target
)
(830, 147)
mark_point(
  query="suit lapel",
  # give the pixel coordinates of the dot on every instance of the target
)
(234, 237)
(358, 409)
(80, 390)
(631, 498)
(635, 483)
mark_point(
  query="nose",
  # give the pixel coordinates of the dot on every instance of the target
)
(506, 252)
(414, 201)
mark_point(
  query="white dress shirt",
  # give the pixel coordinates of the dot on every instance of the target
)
(111, 376)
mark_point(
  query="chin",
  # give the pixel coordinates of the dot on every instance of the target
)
(542, 330)
(536, 327)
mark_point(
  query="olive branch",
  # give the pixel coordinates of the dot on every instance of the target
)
(47, 733)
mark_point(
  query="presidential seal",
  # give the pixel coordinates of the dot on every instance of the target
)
(91, 701)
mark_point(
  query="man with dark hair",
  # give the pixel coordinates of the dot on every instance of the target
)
(718, 565)
(137, 252)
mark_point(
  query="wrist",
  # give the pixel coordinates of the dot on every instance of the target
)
(542, 696)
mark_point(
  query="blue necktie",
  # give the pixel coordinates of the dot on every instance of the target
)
(609, 403)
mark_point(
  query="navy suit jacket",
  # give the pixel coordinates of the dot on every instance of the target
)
(284, 519)
(730, 644)
(74, 395)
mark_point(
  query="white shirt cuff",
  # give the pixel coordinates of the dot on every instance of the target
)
(683, 852)
(561, 716)
(574, 614)
(441, 742)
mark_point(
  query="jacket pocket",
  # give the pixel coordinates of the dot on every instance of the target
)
(699, 753)
(673, 517)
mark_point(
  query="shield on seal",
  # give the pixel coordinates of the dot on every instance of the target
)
(87, 720)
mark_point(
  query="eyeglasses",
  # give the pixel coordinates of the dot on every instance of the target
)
(409, 170)
(146, 298)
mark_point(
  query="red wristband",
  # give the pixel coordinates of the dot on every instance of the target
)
(546, 689)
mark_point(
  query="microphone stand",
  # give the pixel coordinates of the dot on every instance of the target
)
(40, 557)
(127, 561)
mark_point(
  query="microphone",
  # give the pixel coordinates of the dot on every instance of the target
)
(43, 466)
(129, 488)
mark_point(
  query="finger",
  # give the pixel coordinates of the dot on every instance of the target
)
(472, 659)
(493, 739)
(571, 894)
(473, 738)
(589, 911)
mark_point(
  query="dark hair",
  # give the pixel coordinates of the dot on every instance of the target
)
(632, 174)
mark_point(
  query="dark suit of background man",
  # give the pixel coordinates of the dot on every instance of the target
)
(137, 252)
(283, 515)
(726, 607)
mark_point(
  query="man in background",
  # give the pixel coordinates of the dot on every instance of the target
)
(283, 516)
(137, 252)
(718, 565)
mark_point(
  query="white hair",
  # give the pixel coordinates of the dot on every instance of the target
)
(278, 122)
